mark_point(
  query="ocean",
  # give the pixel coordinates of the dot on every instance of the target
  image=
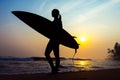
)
(9, 66)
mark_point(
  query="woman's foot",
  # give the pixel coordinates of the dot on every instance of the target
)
(54, 70)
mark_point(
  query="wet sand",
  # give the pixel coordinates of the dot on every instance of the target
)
(109, 74)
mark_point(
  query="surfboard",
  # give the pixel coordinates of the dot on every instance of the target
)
(46, 28)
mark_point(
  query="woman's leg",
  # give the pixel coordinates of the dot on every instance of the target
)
(47, 54)
(56, 53)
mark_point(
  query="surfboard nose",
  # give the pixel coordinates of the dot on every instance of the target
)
(13, 12)
(17, 12)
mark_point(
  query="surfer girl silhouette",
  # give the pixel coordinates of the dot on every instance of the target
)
(53, 43)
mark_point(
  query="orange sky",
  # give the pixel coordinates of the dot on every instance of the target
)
(96, 20)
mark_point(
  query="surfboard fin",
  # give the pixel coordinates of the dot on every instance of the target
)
(74, 36)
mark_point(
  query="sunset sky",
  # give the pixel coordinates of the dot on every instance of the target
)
(98, 21)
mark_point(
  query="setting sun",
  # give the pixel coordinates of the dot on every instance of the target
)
(82, 39)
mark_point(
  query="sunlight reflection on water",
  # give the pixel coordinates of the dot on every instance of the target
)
(82, 64)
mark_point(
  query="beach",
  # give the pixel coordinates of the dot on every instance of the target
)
(108, 74)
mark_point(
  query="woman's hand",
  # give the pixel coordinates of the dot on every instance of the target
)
(59, 16)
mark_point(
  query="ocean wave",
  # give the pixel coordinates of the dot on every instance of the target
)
(16, 59)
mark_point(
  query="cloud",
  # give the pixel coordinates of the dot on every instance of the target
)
(95, 11)
(42, 5)
(67, 7)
